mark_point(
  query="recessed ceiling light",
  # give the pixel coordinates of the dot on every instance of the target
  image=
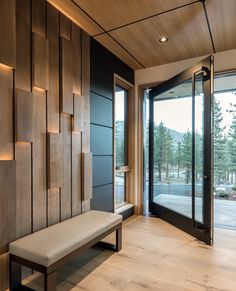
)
(163, 39)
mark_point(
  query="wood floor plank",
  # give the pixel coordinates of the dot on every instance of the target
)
(155, 256)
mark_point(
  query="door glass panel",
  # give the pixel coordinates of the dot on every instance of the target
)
(173, 149)
(198, 130)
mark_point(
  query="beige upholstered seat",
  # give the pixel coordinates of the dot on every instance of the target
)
(51, 244)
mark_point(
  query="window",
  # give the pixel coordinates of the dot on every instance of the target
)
(121, 145)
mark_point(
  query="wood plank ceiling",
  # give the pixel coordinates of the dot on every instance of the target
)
(131, 29)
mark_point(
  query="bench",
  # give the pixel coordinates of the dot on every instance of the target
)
(47, 250)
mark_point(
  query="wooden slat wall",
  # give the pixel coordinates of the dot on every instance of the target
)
(34, 130)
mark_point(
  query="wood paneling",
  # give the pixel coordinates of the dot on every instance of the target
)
(76, 39)
(4, 274)
(6, 116)
(78, 117)
(40, 62)
(86, 94)
(8, 203)
(142, 39)
(67, 75)
(23, 189)
(111, 14)
(86, 176)
(76, 173)
(23, 32)
(36, 139)
(54, 159)
(53, 206)
(65, 27)
(66, 130)
(68, 8)
(23, 116)
(222, 22)
(53, 92)
(39, 163)
(39, 17)
(7, 33)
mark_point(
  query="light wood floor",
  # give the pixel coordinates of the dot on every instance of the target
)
(155, 256)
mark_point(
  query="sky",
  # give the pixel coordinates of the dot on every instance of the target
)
(176, 114)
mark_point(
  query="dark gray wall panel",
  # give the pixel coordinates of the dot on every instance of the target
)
(101, 110)
(101, 81)
(102, 170)
(109, 61)
(103, 198)
(101, 140)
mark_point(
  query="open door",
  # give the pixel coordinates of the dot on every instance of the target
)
(180, 151)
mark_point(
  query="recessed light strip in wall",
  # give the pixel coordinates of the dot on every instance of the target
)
(145, 18)
(109, 35)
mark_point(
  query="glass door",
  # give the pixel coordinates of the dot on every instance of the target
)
(180, 151)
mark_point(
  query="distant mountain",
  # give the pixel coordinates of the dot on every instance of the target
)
(177, 136)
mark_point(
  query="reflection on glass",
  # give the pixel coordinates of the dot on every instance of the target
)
(121, 99)
(173, 149)
(199, 107)
(119, 188)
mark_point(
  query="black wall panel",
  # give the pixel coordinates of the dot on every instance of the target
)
(101, 110)
(101, 140)
(103, 66)
(101, 81)
(103, 198)
(102, 170)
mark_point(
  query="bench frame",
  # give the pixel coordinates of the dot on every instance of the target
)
(50, 273)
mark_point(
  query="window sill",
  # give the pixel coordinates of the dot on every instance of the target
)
(125, 210)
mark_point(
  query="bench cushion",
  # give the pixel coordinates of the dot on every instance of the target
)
(53, 243)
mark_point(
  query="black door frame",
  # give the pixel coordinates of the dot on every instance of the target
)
(202, 231)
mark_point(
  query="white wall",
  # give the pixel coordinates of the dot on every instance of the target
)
(223, 61)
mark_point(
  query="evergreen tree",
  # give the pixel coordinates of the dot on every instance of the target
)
(232, 146)
(178, 156)
(219, 144)
(186, 159)
(159, 146)
(198, 156)
(168, 152)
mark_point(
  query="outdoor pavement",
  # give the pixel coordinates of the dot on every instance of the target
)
(224, 210)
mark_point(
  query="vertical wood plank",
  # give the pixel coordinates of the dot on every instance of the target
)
(54, 160)
(23, 189)
(67, 75)
(53, 92)
(86, 94)
(65, 27)
(76, 39)
(23, 116)
(23, 31)
(86, 176)
(53, 206)
(39, 17)
(66, 151)
(78, 117)
(76, 173)
(39, 163)
(8, 203)
(6, 114)
(7, 33)
(4, 273)
(40, 68)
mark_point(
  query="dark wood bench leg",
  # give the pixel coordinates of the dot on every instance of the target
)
(50, 281)
(119, 239)
(14, 274)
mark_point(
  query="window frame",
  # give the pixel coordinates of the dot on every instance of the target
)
(123, 84)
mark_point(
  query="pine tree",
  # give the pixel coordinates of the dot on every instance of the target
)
(186, 159)
(168, 152)
(232, 146)
(159, 148)
(178, 158)
(219, 145)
